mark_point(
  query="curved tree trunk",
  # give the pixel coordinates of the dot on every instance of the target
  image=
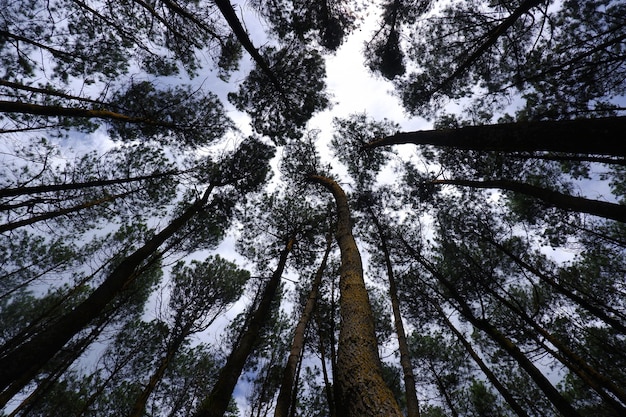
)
(363, 391)
(552, 198)
(216, 403)
(33, 355)
(284, 403)
(583, 136)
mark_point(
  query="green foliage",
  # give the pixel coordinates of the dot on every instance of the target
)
(282, 115)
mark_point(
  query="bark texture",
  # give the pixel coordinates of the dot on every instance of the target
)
(599, 136)
(362, 390)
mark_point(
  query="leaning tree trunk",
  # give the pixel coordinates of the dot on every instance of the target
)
(216, 403)
(551, 393)
(412, 404)
(284, 402)
(583, 136)
(362, 390)
(35, 353)
(549, 197)
(506, 394)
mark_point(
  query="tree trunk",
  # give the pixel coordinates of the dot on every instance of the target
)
(363, 391)
(283, 402)
(551, 393)
(552, 198)
(233, 21)
(599, 312)
(33, 354)
(140, 403)
(493, 379)
(216, 403)
(50, 188)
(60, 111)
(583, 136)
(327, 386)
(412, 404)
(492, 37)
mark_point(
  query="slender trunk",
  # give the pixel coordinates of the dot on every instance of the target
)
(328, 389)
(412, 404)
(60, 111)
(229, 14)
(493, 379)
(140, 403)
(363, 391)
(34, 354)
(294, 391)
(59, 213)
(492, 37)
(284, 396)
(570, 359)
(17, 191)
(583, 136)
(216, 403)
(551, 393)
(442, 389)
(62, 364)
(599, 312)
(552, 198)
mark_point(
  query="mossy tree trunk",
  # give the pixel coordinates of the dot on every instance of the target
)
(362, 390)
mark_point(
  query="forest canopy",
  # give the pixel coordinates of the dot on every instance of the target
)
(212, 208)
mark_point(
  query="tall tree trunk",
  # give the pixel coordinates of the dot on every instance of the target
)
(283, 402)
(328, 389)
(33, 354)
(412, 404)
(363, 391)
(583, 136)
(233, 21)
(552, 198)
(551, 393)
(493, 379)
(62, 212)
(598, 311)
(50, 188)
(216, 403)
(571, 360)
(140, 403)
(492, 37)
(60, 111)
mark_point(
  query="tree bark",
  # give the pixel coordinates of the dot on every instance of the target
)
(552, 198)
(33, 354)
(283, 402)
(599, 312)
(139, 406)
(583, 136)
(363, 391)
(412, 404)
(216, 403)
